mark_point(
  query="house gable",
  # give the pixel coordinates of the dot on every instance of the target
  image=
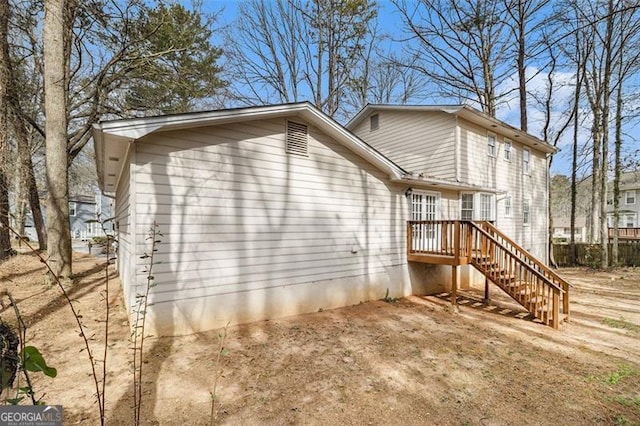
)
(251, 231)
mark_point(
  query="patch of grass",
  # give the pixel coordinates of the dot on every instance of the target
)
(623, 372)
(628, 401)
(619, 323)
(621, 420)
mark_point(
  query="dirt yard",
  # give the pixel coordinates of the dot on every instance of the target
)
(413, 361)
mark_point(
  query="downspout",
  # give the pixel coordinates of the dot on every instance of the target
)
(548, 209)
(456, 151)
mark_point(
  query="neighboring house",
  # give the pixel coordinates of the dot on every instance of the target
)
(84, 212)
(628, 203)
(562, 230)
(279, 210)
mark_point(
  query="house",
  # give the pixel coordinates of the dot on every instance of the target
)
(562, 230)
(629, 206)
(628, 203)
(278, 210)
(505, 169)
(84, 213)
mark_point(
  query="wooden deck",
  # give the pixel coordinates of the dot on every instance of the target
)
(501, 260)
(625, 234)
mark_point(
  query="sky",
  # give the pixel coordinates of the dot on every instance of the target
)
(391, 23)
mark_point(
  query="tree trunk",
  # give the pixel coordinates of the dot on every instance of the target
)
(58, 229)
(604, 176)
(617, 152)
(5, 239)
(522, 79)
(574, 172)
(29, 178)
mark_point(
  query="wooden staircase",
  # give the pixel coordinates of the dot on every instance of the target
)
(531, 283)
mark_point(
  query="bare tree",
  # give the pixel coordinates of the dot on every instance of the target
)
(55, 85)
(287, 51)
(627, 65)
(526, 21)
(461, 46)
(5, 240)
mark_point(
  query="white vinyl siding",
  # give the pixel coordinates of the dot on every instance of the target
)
(402, 133)
(240, 217)
(416, 141)
(123, 227)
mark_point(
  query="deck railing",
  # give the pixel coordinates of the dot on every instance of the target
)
(528, 280)
(438, 237)
(625, 233)
(525, 256)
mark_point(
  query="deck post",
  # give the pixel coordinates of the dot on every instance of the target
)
(454, 285)
(409, 238)
(486, 299)
(565, 302)
(555, 321)
(456, 242)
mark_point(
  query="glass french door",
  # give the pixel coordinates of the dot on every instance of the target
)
(424, 206)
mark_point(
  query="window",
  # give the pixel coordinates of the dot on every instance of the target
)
(507, 150)
(486, 207)
(296, 139)
(491, 145)
(526, 217)
(466, 213)
(507, 206)
(374, 122)
(72, 208)
(630, 221)
(526, 161)
(424, 206)
(630, 197)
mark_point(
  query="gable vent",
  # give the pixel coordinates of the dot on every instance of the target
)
(296, 140)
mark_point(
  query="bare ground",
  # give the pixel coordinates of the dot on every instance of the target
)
(413, 361)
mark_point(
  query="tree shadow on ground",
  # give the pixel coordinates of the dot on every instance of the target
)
(491, 307)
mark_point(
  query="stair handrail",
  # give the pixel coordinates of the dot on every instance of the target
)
(530, 268)
(529, 256)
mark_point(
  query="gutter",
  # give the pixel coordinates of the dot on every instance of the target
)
(444, 184)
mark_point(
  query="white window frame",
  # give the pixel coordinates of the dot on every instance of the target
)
(626, 197)
(492, 141)
(473, 205)
(73, 207)
(630, 220)
(424, 193)
(526, 212)
(508, 206)
(508, 147)
(486, 201)
(526, 161)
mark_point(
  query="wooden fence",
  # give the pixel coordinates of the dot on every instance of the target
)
(589, 254)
